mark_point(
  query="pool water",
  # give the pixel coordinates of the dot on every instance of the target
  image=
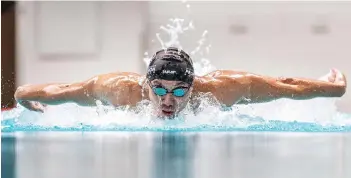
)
(69, 141)
(288, 139)
(175, 155)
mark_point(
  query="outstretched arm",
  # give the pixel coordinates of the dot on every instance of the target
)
(232, 87)
(115, 89)
(262, 88)
(34, 97)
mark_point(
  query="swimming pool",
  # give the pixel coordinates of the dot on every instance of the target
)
(36, 145)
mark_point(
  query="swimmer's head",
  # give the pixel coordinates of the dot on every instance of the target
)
(170, 80)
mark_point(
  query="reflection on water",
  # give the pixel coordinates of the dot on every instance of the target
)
(175, 155)
(8, 156)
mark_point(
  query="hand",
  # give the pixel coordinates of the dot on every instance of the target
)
(335, 76)
(33, 106)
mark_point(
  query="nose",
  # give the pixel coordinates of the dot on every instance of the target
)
(168, 100)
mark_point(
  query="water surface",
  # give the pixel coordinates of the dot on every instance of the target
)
(176, 155)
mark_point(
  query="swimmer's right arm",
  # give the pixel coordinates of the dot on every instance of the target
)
(35, 97)
(117, 89)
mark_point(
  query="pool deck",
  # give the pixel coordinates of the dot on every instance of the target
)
(175, 155)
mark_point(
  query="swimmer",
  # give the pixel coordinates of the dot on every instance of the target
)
(170, 85)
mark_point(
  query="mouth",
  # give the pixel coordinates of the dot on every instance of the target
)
(167, 113)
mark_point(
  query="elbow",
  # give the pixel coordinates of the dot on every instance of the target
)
(27, 92)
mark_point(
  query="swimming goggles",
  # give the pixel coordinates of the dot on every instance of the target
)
(161, 91)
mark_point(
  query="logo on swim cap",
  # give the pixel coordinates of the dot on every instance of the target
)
(169, 72)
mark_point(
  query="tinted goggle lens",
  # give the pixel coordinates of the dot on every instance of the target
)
(179, 92)
(160, 91)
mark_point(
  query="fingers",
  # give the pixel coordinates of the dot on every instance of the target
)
(339, 77)
(37, 110)
(332, 75)
(33, 106)
(38, 107)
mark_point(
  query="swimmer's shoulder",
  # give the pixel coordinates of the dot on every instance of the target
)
(210, 81)
(219, 76)
(118, 78)
(220, 83)
(126, 82)
(118, 88)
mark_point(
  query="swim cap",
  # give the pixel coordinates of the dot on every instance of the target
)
(171, 64)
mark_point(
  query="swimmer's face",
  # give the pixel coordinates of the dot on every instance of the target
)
(168, 105)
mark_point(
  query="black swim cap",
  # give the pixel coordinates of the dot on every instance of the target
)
(171, 64)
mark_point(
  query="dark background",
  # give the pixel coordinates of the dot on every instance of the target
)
(8, 53)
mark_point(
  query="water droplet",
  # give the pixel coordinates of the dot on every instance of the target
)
(204, 33)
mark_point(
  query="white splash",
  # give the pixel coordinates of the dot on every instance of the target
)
(174, 31)
(321, 111)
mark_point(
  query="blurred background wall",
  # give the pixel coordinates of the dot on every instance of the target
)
(72, 41)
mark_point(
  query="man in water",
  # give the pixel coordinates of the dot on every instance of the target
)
(170, 84)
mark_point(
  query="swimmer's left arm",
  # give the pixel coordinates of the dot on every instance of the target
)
(233, 87)
(264, 89)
